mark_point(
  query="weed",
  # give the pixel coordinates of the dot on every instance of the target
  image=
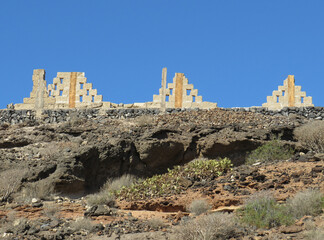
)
(270, 151)
(199, 207)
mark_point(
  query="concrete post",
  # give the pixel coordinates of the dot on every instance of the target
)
(72, 91)
(179, 90)
(291, 91)
(163, 94)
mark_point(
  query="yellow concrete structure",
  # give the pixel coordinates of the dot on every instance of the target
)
(288, 95)
(69, 90)
(179, 94)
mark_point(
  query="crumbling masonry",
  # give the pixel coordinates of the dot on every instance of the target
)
(288, 95)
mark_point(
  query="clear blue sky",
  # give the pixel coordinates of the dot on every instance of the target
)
(234, 52)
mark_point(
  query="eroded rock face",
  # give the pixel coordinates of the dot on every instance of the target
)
(80, 156)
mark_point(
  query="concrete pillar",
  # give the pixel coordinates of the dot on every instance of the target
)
(179, 90)
(72, 90)
(163, 95)
(291, 91)
(40, 86)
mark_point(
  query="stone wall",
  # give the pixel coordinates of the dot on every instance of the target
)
(63, 115)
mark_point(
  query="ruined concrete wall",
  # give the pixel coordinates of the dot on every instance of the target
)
(39, 98)
(71, 90)
(288, 95)
(180, 94)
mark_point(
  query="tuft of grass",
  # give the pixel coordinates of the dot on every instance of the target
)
(311, 136)
(263, 211)
(270, 151)
(209, 227)
(199, 207)
(173, 182)
(308, 202)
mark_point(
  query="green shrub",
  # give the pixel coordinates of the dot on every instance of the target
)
(199, 206)
(311, 135)
(209, 227)
(308, 202)
(270, 151)
(174, 181)
(262, 211)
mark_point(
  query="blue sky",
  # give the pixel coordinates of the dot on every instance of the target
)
(234, 52)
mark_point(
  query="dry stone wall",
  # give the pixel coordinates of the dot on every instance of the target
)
(63, 115)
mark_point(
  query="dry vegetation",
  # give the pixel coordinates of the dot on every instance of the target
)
(311, 136)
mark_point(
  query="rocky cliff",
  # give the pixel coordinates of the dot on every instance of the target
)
(79, 155)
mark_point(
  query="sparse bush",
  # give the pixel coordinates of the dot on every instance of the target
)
(314, 234)
(270, 151)
(174, 181)
(144, 120)
(101, 198)
(82, 224)
(199, 206)
(311, 135)
(308, 202)
(209, 227)
(155, 223)
(116, 184)
(10, 181)
(43, 189)
(51, 210)
(263, 211)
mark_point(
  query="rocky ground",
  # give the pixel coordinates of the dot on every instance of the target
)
(76, 158)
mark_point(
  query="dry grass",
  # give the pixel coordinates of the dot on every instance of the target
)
(199, 207)
(311, 135)
(210, 227)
